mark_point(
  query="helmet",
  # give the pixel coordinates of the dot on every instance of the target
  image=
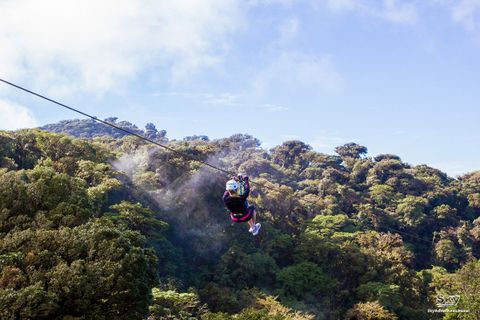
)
(231, 185)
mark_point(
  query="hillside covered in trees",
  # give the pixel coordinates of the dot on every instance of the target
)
(89, 128)
(114, 228)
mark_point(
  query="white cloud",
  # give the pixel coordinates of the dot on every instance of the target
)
(274, 107)
(467, 13)
(293, 71)
(96, 46)
(342, 4)
(395, 11)
(223, 99)
(15, 116)
(327, 143)
(269, 2)
(211, 98)
(403, 13)
(288, 30)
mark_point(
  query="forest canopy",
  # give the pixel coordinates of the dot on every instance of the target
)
(95, 225)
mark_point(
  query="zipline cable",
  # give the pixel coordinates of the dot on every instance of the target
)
(182, 154)
(116, 127)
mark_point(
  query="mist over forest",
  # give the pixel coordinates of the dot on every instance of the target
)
(96, 224)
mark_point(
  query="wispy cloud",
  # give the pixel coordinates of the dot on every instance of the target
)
(96, 46)
(297, 71)
(467, 13)
(226, 99)
(15, 116)
(401, 12)
(327, 142)
(211, 98)
(288, 30)
(269, 2)
(274, 107)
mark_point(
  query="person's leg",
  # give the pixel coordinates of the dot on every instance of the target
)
(256, 226)
(251, 220)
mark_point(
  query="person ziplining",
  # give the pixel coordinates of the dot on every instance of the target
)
(235, 199)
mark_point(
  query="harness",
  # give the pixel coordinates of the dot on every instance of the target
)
(239, 215)
(241, 191)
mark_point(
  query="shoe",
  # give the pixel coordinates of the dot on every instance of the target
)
(256, 229)
(251, 229)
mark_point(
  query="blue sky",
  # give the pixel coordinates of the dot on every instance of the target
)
(399, 77)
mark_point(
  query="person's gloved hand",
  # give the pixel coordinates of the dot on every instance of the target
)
(242, 176)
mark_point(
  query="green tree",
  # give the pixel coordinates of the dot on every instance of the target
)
(410, 211)
(351, 150)
(303, 279)
(466, 283)
(369, 311)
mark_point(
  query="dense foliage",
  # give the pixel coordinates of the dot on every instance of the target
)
(89, 128)
(113, 227)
